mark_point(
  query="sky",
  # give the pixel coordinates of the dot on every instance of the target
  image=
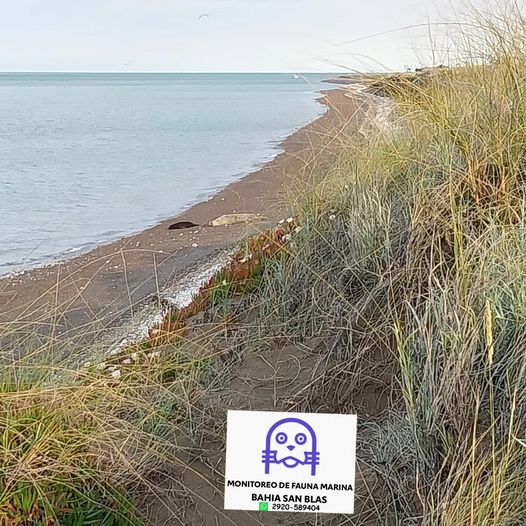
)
(218, 35)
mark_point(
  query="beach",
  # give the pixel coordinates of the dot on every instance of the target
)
(88, 295)
(236, 290)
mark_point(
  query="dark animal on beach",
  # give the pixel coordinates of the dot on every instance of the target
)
(182, 224)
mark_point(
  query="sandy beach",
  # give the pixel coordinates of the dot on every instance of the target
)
(85, 296)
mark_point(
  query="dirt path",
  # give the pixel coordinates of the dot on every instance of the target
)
(280, 377)
(288, 378)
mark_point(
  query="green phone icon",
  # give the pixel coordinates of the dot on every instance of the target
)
(263, 506)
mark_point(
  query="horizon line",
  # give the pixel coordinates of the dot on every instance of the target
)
(102, 72)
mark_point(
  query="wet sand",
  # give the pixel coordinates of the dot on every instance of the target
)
(95, 292)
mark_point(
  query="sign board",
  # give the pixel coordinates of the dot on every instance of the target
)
(290, 462)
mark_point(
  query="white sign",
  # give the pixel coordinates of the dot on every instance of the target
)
(290, 462)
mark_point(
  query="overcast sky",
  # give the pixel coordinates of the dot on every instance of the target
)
(235, 35)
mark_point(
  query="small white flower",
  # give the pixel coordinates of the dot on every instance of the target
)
(88, 364)
(286, 237)
(194, 245)
(116, 374)
(332, 217)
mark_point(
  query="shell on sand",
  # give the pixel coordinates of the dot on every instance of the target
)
(232, 219)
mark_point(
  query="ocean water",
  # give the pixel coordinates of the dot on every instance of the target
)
(88, 158)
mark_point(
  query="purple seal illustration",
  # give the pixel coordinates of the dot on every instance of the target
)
(291, 442)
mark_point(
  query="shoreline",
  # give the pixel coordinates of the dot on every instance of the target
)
(273, 150)
(84, 296)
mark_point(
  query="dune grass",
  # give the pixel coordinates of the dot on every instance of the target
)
(415, 249)
(411, 265)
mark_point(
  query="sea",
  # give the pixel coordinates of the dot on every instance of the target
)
(88, 158)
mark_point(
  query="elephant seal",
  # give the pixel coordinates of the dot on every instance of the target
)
(180, 225)
(232, 219)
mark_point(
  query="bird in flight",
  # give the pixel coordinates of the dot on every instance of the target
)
(204, 15)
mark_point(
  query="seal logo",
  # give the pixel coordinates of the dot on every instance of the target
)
(291, 442)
